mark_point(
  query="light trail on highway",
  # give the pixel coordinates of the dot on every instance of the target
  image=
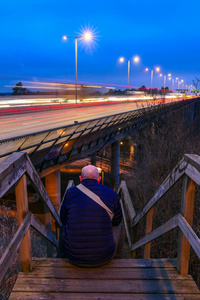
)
(22, 124)
(28, 123)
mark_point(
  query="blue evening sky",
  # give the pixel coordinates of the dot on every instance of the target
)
(163, 33)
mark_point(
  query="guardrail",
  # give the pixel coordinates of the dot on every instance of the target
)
(188, 169)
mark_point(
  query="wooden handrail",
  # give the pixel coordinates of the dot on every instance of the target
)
(171, 179)
(128, 202)
(40, 189)
(30, 220)
(35, 223)
(177, 221)
(189, 234)
(13, 170)
(189, 169)
(70, 184)
(169, 225)
(14, 245)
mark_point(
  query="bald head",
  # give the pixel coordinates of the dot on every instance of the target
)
(90, 172)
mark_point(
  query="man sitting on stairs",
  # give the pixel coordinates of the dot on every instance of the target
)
(91, 215)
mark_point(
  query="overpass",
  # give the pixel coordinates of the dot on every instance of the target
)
(79, 135)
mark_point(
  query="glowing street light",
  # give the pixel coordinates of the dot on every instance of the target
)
(87, 36)
(157, 69)
(135, 59)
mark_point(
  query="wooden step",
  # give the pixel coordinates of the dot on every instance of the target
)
(121, 279)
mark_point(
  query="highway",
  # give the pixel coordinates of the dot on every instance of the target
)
(21, 124)
(26, 123)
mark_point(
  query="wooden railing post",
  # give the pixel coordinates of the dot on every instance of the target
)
(187, 208)
(48, 225)
(52, 185)
(149, 221)
(22, 210)
(135, 230)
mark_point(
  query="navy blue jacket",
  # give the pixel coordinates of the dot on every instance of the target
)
(88, 237)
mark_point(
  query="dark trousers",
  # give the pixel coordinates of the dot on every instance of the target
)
(118, 236)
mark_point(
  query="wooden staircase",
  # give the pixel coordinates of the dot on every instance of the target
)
(56, 279)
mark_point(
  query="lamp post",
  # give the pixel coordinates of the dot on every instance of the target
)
(165, 76)
(172, 79)
(157, 70)
(87, 36)
(136, 59)
(179, 82)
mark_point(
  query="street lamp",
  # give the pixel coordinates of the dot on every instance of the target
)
(136, 59)
(87, 36)
(157, 69)
(172, 79)
(165, 76)
(179, 83)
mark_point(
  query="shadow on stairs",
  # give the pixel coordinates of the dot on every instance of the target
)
(56, 279)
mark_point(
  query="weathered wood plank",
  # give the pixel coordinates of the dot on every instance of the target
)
(189, 234)
(11, 250)
(115, 263)
(106, 273)
(134, 239)
(22, 209)
(193, 159)
(70, 184)
(106, 286)
(171, 179)
(193, 173)
(169, 225)
(127, 199)
(100, 296)
(11, 170)
(35, 223)
(187, 210)
(149, 223)
(126, 226)
(10, 163)
(39, 187)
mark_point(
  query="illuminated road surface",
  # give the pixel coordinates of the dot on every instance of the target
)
(22, 124)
